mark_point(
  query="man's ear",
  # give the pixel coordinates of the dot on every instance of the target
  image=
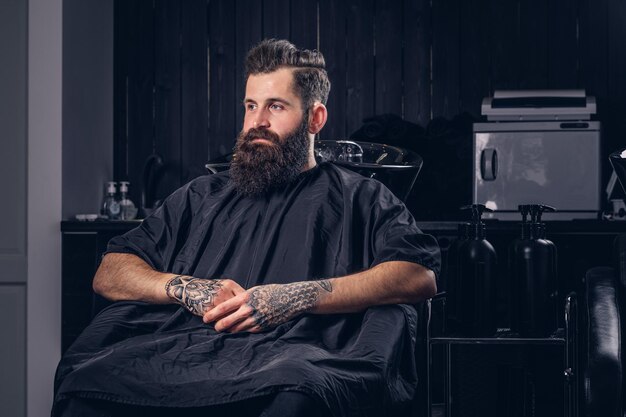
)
(317, 117)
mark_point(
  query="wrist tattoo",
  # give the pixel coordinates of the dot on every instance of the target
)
(194, 294)
(326, 285)
(275, 304)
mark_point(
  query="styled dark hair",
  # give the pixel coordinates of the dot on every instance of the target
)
(311, 82)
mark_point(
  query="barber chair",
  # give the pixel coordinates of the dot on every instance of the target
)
(605, 299)
(605, 331)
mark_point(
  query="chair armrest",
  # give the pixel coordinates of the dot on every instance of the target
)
(603, 368)
(419, 406)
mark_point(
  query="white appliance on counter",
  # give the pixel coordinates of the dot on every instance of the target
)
(539, 147)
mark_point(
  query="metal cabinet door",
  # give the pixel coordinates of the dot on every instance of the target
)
(558, 168)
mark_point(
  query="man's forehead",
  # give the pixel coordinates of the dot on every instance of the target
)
(265, 85)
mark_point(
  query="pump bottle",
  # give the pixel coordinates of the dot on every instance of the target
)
(452, 274)
(476, 295)
(532, 267)
(110, 206)
(128, 211)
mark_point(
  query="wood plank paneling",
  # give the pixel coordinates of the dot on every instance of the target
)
(417, 48)
(194, 90)
(562, 43)
(167, 93)
(388, 60)
(595, 71)
(616, 103)
(122, 58)
(223, 103)
(445, 58)
(505, 44)
(593, 47)
(276, 22)
(333, 46)
(533, 52)
(304, 24)
(359, 63)
(475, 55)
(140, 139)
(248, 34)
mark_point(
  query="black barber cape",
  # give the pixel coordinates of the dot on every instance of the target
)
(330, 222)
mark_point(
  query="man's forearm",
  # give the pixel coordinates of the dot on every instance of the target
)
(392, 282)
(267, 306)
(124, 276)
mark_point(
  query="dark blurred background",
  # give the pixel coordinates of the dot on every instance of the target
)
(419, 68)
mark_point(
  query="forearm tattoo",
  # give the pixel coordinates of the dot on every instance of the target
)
(275, 304)
(193, 293)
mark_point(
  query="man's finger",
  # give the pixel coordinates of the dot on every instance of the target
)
(223, 309)
(238, 290)
(244, 325)
(231, 320)
(232, 286)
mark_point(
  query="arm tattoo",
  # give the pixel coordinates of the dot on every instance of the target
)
(275, 304)
(326, 285)
(193, 293)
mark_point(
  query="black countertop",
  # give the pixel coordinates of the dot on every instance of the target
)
(570, 226)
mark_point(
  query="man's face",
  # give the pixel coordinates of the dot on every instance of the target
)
(271, 103)
(273, 146)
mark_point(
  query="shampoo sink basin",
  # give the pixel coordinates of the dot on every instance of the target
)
(395, 167)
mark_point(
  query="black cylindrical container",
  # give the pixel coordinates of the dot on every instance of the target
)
(452, 275)
(553, 303)
(532, 267)
(476, 306)
(515, 264)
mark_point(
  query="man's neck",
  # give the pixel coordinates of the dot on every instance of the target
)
(310, 164)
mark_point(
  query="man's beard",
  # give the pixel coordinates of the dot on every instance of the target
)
(257, 168)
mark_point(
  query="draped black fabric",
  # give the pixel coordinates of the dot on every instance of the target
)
(330, 222)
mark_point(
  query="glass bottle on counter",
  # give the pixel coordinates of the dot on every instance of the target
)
(110, 206)
(128, 211)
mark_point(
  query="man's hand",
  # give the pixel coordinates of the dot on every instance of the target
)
(266, 306)
(199, 295)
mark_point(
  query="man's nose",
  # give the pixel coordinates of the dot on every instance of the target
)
(261, 120)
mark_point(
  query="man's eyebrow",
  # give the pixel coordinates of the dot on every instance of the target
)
(270, 100)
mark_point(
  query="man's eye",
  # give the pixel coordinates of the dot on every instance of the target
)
(250, 107)
(276, 106)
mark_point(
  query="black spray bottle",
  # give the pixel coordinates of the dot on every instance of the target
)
(452, 274)
(532, 267)
(476, 294)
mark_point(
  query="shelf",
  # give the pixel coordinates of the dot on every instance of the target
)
(504, 338)
(564, 339)
(497, 341)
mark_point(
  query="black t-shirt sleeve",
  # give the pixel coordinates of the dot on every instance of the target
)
(396, 236)
(159, 237)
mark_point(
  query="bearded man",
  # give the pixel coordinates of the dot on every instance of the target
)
(279, 287)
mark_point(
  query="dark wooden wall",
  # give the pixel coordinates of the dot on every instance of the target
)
(178, 65)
